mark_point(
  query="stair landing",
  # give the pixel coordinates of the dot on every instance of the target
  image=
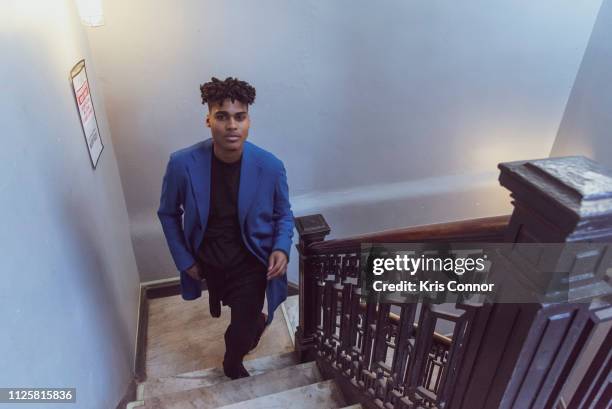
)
(183, 337)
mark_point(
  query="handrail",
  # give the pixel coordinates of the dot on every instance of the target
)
(486, 229)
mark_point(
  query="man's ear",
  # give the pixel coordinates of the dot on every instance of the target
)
(208, 120)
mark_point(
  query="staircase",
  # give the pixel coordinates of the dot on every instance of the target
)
(278, 379)
(511, 355)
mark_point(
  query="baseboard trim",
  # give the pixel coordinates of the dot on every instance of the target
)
(292, 289)
(164, 288)
(129, 396)
(141, 335)
(150, 290)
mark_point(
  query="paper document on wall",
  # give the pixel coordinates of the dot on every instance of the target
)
(87, 114)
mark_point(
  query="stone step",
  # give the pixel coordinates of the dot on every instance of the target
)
(291, 311)
(212, 376)
(320, 395)
(238, 390)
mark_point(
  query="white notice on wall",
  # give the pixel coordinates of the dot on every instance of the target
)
(82, 95)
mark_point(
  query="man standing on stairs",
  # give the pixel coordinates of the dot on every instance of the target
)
(226, 216)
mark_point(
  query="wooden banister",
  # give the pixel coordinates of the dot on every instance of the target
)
(486, 229)
(313, 229)
(500, 356)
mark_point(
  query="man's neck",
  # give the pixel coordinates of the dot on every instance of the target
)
(227, 156)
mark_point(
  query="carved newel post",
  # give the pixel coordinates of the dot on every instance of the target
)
(311, 229)
(521, 355)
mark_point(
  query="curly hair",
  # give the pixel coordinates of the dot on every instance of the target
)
(216, 91)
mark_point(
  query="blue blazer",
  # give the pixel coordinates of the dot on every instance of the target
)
(264, 211)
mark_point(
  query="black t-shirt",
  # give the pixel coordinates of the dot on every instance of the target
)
(223, 251)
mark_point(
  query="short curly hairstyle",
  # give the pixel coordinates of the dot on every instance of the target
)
(216, 91)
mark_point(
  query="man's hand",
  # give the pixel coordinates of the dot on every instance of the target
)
(194, 272)
(277, 264)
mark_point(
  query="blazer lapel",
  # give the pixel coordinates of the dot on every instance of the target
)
(199, 173)
(249, 179)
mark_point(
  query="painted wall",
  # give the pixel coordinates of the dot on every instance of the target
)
(586, 128)
(69, 289)
(386, 114)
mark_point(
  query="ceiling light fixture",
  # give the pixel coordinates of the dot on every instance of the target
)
(91, 12)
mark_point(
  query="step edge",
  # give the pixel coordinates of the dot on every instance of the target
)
(331, 382)
(278, 356)
(240, 380)
(280, 361)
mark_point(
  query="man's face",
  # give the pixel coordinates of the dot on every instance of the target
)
(229, 125)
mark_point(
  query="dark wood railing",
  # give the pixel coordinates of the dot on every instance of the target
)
(499, 355)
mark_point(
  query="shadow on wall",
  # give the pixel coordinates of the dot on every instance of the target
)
(585, 127)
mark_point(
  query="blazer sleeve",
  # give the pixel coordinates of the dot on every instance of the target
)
(170, 215)
(283, 216)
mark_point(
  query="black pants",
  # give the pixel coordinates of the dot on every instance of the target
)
(245, 296)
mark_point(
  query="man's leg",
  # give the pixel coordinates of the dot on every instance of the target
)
(261, 326)
(246, 302)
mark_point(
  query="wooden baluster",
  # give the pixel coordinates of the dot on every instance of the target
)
(375, 374)
(355, 300)
(380, 387)
(475, 319)
(402, 342)
(356, 367)
(422, 347)
(320, 310)
(345, 320)
(354, 347)
(429, 380)
(347, 289)
(394, 392)
(368, 340)
(314, 267)
(327, 306)
(452, 357)
(380, 337)
(336, 293)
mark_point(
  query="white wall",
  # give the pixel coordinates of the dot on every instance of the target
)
(69, 288)
(362, 100)
(586, 128)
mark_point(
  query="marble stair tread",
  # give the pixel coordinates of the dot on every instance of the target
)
(355, 406)
(183, 337)
(320, 395)
(238, 390)
(212, 376)
(291, 312)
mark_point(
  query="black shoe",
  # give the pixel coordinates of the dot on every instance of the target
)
(235, 372)
(261, 326)
(243, 372)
